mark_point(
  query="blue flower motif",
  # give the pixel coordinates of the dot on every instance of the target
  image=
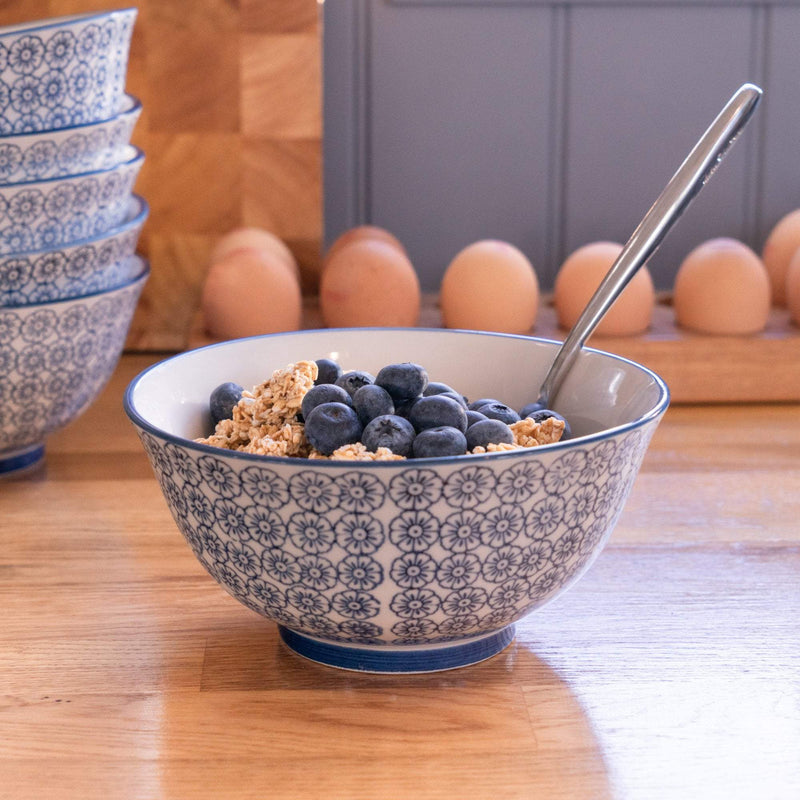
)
(549, 581)
(564, 472)
(359, 491)
(314, 491)
(28, 123)
(462, 531)
(60, 118)
(357, 630)
(16, 239)
(15, 272)
(458, 571)
(10, 160)
(59, 356)
(502, 525)
(79, 81)
(355, 604)
(266, 525)
(469, 487)
(38, 159)
(280, 566)
(469, 600)
(413, 570)
(60, 49)
(73, 321)
(567, 546)
(316, 572)
(89, 41)
(33, 360)
(265, 593)
(535, 557)
(25, 206)
(183, 464)
(52, 89)
(359, 534)
(319, 626)
(519, 483)
(597, 462)
(212, 544)
(231, 519)
(409, 631)
(580, 505)
(459, 626)
(198, 504)
(307, 601)
(360, 572)
(311, 533)
(3, 57)
(415, 489)
(510, 594)
(48, 267)
(243, 558)
(501, 564)
(65, 199)
(25, 95)
(546, 516)
(37, 327)
(8, 360)
(415, 603)
(229, 578)
(221, 479)
(414, 531)
(51, 233)
(26, 54)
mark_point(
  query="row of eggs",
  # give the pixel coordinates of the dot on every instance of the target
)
(367, 279)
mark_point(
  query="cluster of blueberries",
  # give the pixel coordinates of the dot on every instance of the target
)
(399, 408)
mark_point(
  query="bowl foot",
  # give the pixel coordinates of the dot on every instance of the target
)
(399, 658)
(13, 461)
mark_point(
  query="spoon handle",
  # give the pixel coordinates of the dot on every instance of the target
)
(684, 185)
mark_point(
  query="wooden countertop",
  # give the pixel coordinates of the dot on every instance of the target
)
(671, 670)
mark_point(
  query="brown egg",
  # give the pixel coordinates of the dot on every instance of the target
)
(254, 239)
(490, 285)
(722, 287)
(779, 248)
(793, 288)
(578, 279)
(360, 233)
(369, 282)
(250, 292)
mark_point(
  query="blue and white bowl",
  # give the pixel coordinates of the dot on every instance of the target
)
(55, 358)
(63, 71)
(399, 566)
(69, 151)
(90, 265)
(47, 214)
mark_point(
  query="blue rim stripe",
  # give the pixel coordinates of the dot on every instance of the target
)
(429, 659)
(21, 460)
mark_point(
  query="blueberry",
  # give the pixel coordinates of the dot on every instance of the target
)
(488, 431)
(372, 401)
(352, 381)
(223, 399)
(441, 441)
(332, 425)
(327, 371)
(404, 409)
(438, 411)
(459, 398)
(544, 413)
(402, 381)
(475, 405)
(323, 393)
(530, 408)
(436, 387)
(499, 411)
(390, 431)
(473, 417)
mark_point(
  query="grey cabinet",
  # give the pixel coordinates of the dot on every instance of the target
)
(552, 124)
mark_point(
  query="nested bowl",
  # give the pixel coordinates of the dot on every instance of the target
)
(71, 150)
(399, 566)
(55, 358)
(42, 215)
(90, 265)
(63, 71)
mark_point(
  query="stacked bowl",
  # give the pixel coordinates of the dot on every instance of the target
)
(70, 221)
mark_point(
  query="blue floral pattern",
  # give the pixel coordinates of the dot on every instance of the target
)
(50, 375)
(57, 76)
(405, 556)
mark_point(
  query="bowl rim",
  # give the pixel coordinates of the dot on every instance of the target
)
(134, 157)
(144, 270)
(139, 208)
(130, 105)
(66, 19)
(253, 458)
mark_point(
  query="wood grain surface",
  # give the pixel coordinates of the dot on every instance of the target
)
(669, 671)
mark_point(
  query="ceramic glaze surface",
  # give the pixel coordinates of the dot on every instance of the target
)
(63, 72)
(55, 358)
(42, 215)
(69, 151)
(384, 559)
(88, 266)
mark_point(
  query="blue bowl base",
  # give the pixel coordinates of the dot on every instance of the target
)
(14, 461)
(398, 658)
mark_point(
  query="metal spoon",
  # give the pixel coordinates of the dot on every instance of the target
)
(684, 185)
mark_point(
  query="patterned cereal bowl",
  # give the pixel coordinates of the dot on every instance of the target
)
(63, 71)
(71, 150)
(46, 214)
(55, 358)
(399, 566)
(90, 265)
